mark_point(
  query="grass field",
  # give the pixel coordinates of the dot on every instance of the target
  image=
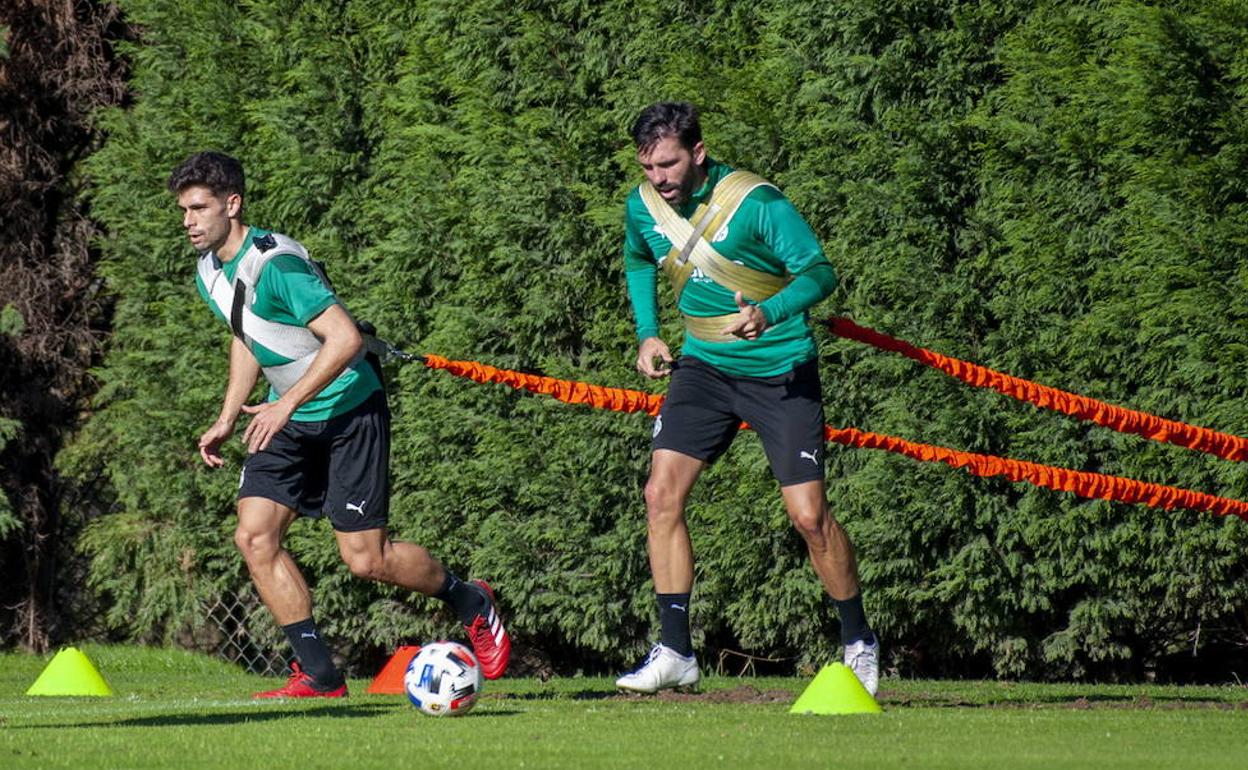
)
(174, 709)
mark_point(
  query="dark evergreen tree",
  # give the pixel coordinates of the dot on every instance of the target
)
(56, 68)
(1048, 188)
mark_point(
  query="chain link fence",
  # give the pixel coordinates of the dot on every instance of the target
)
(246, 634)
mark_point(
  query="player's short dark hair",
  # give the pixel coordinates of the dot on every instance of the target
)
(215, 170)
(664, 119)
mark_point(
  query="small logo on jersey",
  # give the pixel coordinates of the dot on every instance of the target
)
(357, 508)
(265, 242)
(659, 229)
(812, 456)
(658, 426)
(720, 234)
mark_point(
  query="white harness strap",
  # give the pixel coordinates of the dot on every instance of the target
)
(297, 343)
(691, 248)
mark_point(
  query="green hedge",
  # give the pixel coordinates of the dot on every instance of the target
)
(1052, 189)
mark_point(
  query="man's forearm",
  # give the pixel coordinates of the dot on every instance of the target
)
(643, 294)
(806, 290)
(333, 357)
(244, 371)
(340, 343)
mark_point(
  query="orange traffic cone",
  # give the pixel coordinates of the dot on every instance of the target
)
(390, 680)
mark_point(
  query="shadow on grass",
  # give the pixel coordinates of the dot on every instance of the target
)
(253, 716)
(548, 695)
(740, 695)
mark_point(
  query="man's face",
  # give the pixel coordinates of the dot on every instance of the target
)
(673, 169)
(207, 217)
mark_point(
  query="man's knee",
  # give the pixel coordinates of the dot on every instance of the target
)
(812, 523)
(260, 528)
(257, 546)
(663, 501)
(365, 564)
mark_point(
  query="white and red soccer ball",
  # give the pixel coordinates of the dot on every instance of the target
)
(444, 679)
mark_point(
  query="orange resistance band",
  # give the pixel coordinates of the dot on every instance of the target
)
(1081, 483)
(597, 396)
(1084, 484)
(1223, 445)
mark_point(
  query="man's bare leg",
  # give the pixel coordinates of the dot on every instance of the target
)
(672, 476)
(831, 553)
(832, 556)
(262, 524)
(672, 663)
(370, 554)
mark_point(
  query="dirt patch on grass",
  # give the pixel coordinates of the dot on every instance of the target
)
(741, 694)
(1145, 703)
(1083, 703)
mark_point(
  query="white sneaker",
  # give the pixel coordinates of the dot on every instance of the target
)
(864, 660)
(662, 668)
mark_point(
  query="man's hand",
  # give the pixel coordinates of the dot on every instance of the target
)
(267, 420)
(650, 349)
(750, 321)
(210, 443)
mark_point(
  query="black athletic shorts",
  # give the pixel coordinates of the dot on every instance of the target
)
(705, 407)
(338, 467)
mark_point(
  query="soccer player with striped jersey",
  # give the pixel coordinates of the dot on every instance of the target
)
(745, 267)
(320, 443)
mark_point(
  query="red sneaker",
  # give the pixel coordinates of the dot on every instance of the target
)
(300, 686)
(489, 639)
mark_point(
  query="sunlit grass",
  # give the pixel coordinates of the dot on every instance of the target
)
(175, 709)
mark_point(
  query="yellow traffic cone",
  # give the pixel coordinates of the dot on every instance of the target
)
(835, 690)
(70, 673)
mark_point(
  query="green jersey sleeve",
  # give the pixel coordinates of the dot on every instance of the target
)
(644, 295)
(790, 238)
(641, 275)
(292, 283)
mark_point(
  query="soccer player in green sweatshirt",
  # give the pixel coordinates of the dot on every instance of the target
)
(745, 268)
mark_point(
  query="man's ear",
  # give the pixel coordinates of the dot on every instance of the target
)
(699, 153)
(233, 205)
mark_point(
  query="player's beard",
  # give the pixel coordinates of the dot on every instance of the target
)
(684, 190)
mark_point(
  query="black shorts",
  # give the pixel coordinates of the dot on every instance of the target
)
(338, 467)
(705, 407)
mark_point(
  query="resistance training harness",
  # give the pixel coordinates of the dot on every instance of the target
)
(235, 301)
(692, 248)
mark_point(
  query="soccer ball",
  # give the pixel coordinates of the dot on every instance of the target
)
(443, 680)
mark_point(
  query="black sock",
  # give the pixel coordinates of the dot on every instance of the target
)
(313, 655)
(854, 626)
(674, 622)
(466, 599)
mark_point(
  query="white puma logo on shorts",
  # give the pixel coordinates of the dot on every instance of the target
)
(357, 508)
(812, 456)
